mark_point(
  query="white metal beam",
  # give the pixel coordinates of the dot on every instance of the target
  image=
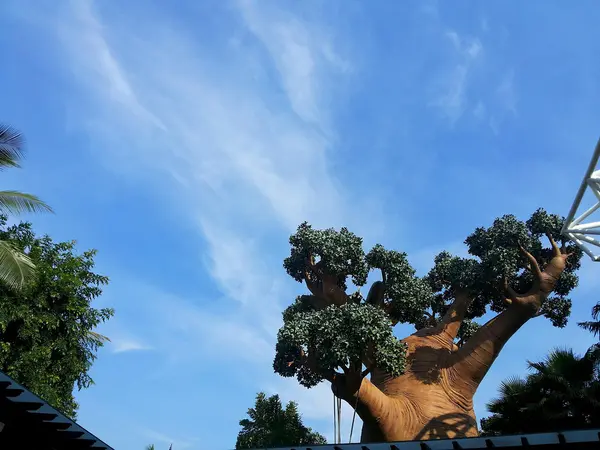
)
(583, 234)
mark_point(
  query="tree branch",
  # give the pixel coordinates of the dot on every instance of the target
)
(325, 285)
(472, 361)
(474, 358)
(534, 267)
(310, 360)
(432, 320)
(318, 303)
(383, 276)
(368, 356)
(376, 294)
(512, 295)
(556, 251)
(371, 404)
(447, 329)
(554, 269)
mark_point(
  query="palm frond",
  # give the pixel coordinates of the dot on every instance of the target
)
(11, 146)
(512, 386)
(99, 338)
(596, 311)
(592, 327)
(14, 202)
(16, 268)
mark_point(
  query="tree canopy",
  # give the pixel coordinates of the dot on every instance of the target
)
(270, 425)
(332, 330)
(47, 341)
(16, 268)
(562, 393)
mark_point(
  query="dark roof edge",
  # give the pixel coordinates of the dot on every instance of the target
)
(28, 396)
(473, 443)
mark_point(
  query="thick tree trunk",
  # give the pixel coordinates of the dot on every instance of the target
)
(433, 399)
(427, 402)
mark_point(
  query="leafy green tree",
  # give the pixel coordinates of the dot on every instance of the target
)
(270, 425)
(16, 268)
(47, 341)
(562, 393)
(421, 386)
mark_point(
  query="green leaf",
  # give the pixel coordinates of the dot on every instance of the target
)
(16, 268)
(15, 202)
(341, 254)
(11, 146)
(338, 335)
(99, 338)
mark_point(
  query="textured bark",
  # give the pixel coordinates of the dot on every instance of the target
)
(434, 397)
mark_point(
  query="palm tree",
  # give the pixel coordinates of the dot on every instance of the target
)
(563, 393)
(593, 326)
(150, 447)
(15, 267)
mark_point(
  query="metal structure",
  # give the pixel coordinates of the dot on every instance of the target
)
(586, 235)
(27, 421)
(568, 440)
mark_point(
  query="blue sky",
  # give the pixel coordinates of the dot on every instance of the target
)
(186, 140)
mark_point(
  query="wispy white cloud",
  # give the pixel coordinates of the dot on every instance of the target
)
(506, 92)
(450, 91)
(127, 344)
(102, 71)
(505, 99)
(123, 337)
(302, 54)
(219, 138)
(471, 81)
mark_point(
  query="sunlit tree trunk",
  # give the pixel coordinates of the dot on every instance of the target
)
(434, 397)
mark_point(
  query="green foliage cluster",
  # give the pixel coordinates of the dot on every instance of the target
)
(336, 336)
(341, 252)
(46, 337)
(407, 294)
(593, 326)
(562, 393)
(315, 340)
(497, 257)
(270, 426)
(16, 268)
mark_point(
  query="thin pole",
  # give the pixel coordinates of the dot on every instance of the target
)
(334, 421)
(339, 424)
(354, 415)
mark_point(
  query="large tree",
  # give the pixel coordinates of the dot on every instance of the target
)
(271, 425)
(422, 386)
(47, 342)
(562, 393)
(16, 268)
